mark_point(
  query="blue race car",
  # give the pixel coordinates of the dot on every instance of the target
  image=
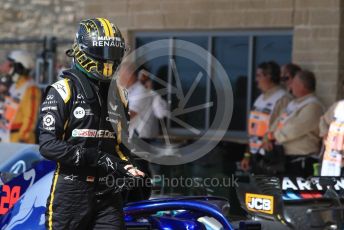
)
(23, 200)
(270, 202)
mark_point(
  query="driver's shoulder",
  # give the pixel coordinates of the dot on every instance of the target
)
(63, 88)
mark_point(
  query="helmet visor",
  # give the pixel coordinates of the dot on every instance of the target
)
(111, 49)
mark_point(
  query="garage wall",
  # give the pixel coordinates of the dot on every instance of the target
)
(317, 24)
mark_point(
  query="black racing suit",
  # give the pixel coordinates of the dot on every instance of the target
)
(74, 131)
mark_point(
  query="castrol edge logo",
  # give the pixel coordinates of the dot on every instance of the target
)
(93, 133)
(259, 203)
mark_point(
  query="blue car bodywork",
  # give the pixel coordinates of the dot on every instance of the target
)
(17, 158)
(28, 212)
(23, 201)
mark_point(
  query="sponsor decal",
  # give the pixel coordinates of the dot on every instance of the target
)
(89, 112)
(49, 102)
(61, 87)
(80, 97)
(113, 107)
(109, 163)
(18, 167)
(49, 122)
(113, 110)
(49, 108)
(102, 179)
(84, 132)
(311, 184)
(50, 97)
(102, 41)
(93, 133)
(259, 203)
(79, 112)
(115, 121)
(79, 102)
(70, 177)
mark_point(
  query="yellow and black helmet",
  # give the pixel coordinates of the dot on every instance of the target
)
(98, 48)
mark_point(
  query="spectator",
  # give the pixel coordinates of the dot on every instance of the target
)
(332, 132)
(142, 119)
(22, 104)
(159, 105)
(296, 131)
(5, 83)
(267, 107)
(288, 73)
(145, 80)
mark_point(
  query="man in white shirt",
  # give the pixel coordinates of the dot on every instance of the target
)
(142, 118)
(160, 107)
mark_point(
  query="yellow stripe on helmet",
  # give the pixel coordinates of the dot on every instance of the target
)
(105, 26)
(110, 27)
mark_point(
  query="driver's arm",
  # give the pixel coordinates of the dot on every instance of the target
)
(54, 115)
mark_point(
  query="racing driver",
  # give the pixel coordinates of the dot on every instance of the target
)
(76, 132)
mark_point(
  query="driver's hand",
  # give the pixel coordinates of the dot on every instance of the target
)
(245, 164)
(134, 171)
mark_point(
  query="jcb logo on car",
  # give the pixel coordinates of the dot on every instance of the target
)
(259, 203)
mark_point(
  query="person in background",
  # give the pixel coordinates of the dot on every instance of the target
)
(159, 105)
(143, 76)
(267, 107)
(288, 73)
(296, 131)
(332, 133)
(5, 84)
(22, 104)
(142, 119)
